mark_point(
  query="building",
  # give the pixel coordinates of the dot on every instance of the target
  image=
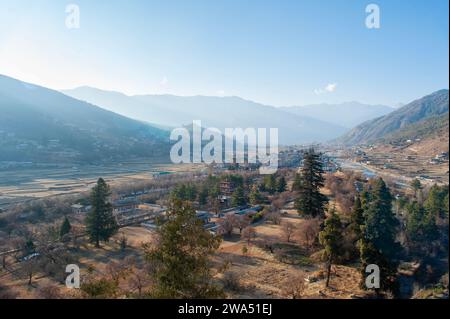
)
(78, 209)
(205, 217)
(227, 188)
(122, 206)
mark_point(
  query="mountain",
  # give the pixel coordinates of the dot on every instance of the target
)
(348, 114)
(39, 124)
(219, 112)
(428, 128)
(428, 107)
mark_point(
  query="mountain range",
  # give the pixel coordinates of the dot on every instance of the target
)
(91, 125)
(39, 124)
(422, 115)
(218, 112)
(348, 114)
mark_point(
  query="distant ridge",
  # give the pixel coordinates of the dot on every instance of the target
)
(431, 107)
(348, 114)
(39, 124)
(219, 112)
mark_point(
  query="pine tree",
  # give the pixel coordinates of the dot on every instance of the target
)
(255, 196)
(436, 201)
(310, 200)
(203, 196)
(331, 238)
(270, 184)
(378, 245)
(281, 184)
(180, 262)
(421, 228)
(238, 198)
(297, 185)
(100, 222)
(357, 218)
(417, 187)
(65, 228)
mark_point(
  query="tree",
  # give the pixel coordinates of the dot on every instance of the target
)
(241, 222)
(100, 222)
(436, 201)
(274, 217)
(226, 225)
(65, 228)
(255, 196)
(295, 286)
(297, 185)
(238, 198)
(288, 230)
(378, 244)
(331, 238)
(311, 201)
(357, 219)
(416, 186)
(203, 196)
(248, 234)
(270, 184)
(308, 231)
(180, 262)
(421, 228)
(281, 184)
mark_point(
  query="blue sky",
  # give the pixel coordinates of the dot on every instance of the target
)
(275, 52)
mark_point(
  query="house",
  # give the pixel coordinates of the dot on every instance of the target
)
(205, 217)
(124, 205)
(227, 188)
(78, 209)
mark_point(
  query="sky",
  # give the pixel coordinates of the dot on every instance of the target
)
(280, 53)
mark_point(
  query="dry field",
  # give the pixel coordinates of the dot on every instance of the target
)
(260, 273)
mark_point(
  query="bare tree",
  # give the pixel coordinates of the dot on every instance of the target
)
(248, 234)
(288, 230)
(308, 231)
(241, 222)
(138, 280)
(274, 217)
(294, 287)
(226, 225)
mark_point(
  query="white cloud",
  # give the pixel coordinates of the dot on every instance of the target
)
(221, 93)
(329, 88)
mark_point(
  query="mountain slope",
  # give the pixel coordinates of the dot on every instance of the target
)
(347, 114)
(39, 124)
(428, 128)
(432, 105)
(219, 112)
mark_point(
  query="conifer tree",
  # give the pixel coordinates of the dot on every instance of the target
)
(281, 185)
(238, 198)
(378, 244)
(357, 218)
(65, 228)
(100, 222)
(331, 238)
(311, 201)
(180, 262)
(421, 228)
(255, 196)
